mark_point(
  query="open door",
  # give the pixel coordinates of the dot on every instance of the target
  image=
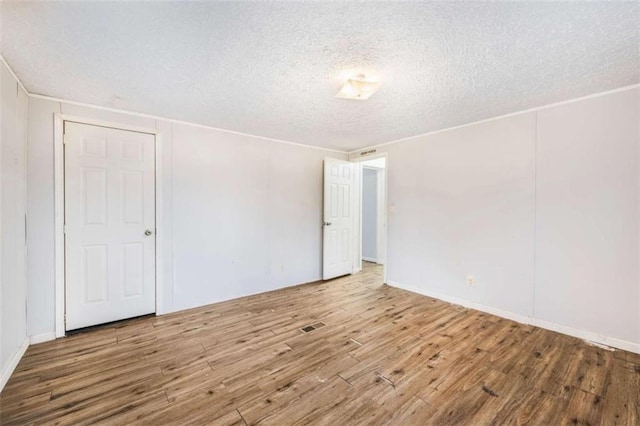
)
(339, 218)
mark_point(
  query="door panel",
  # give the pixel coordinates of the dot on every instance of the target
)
(339, 223)
(109, 204)
(94, 273)
(94, 191)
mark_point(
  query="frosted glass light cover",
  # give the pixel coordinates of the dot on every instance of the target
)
(358, 88)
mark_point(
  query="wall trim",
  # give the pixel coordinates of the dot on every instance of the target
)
(499, 117)
(156, 117)
(13, 74)
(188, 123)
(370, 259)
(588, 336)
(183, 309)
(41, 338)
(13, 363)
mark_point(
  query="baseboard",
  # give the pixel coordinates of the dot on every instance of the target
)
(370, 259)
(44, 337)
(589, 336)
(13, 363)
(174, 309)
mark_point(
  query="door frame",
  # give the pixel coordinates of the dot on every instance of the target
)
(384, 208)
(59, 182)
(380, 213)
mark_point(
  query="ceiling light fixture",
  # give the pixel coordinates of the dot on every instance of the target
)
(358, 87)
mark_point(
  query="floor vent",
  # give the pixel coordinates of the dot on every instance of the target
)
(309, 328)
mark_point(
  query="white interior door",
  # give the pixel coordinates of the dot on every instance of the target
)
(339, 218)
(109, 224)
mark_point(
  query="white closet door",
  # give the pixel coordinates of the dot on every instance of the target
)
(109, 224)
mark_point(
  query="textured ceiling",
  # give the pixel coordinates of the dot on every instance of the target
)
(273, 69)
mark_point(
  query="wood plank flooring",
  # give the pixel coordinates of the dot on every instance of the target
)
(385, 356)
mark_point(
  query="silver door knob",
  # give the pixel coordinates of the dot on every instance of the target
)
(148, 232)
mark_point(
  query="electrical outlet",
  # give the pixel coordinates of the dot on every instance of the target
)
(471, 280)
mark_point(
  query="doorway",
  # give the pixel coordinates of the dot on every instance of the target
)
(373, 210)
(109, 224)
(354, 224)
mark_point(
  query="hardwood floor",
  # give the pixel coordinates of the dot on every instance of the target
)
(384, 356)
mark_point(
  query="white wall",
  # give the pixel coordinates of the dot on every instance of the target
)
(249, 215)
(587, 216)
(241, 215)
(540, 207)
(13, 285)
(40, 220)
(462, 203)
(369, 214)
